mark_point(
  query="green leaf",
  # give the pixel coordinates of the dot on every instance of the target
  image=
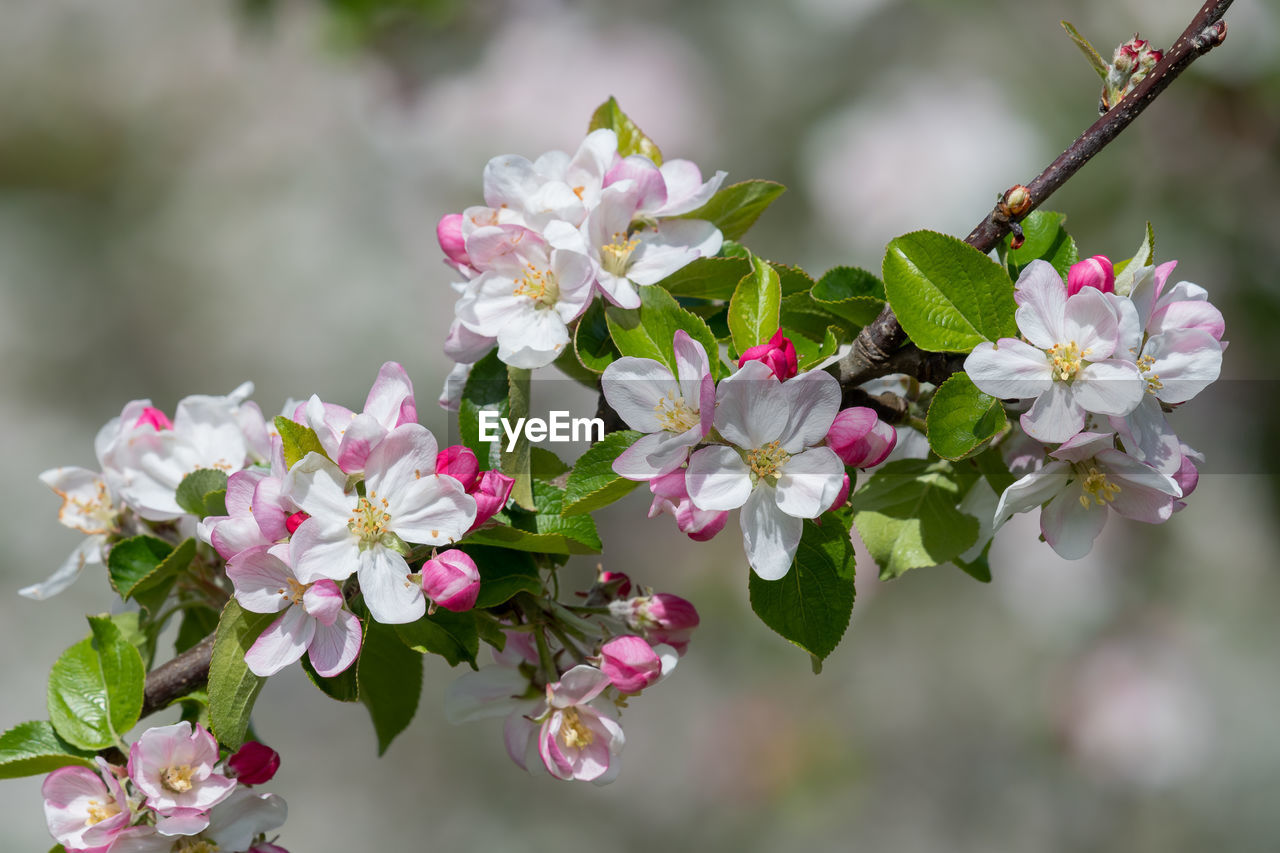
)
(755, 308)
(33, 749)
(649, 331)
(907, 516)
(707, 278)
(810, 353)
(232, 687)
(453, 636)
(390, 681)
(1096, 62)
(592, 343)
(134, 564)
(631, 139)
(198, 493)
(545, 465)
(810, 606)
(948, 296)
(992, 466)
(515, 463)
(197, 623)
(487, 389)
(962, 419)
(1045, 239)
(979, 568)
(503, 573)
(543, 531)
(852, 294)
(735, 208)
(95, 688)
(298, 440)
(593, 483)
(342, 687)
(1128, 271)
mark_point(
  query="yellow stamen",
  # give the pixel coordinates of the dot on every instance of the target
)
(369, 523)
(766, 461)
(177, 779)
(617, 255)
(674, 414)
(573, 731)
(1066, 360)
(1098, 489)
(100, 811)
(1153, 379)
(539, 285)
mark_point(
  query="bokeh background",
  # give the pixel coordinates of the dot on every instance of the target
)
(192, 194)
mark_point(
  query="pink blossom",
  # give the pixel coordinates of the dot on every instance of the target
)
(860, 438)
(1096, 272)
(659, 618)
(154, 418)
(451, 580)
(671, 496)
(173, 767)
(631, 663)
(452, 243)
(460, 463)
(575, 739)
(254, 763)
(348, 438)
(84, 809)
(491, 494)
(778, 353)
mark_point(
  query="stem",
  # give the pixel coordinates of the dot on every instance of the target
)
(878, 349)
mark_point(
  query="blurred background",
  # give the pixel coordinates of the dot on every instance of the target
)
(194, 194)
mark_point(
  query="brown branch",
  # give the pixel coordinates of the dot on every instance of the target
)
(177, 677)
(878, 347)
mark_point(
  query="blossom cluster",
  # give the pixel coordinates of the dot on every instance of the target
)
(766, 439)
(555, 231)
(174, 794)
(562, 700)
(376, 487)
(1104, 358)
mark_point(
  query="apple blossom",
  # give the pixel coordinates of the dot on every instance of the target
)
(85, 809)
(348, 438)
(254, 763)
(451, 580)
(778, 472)
(174, 767)
(575, 739)
(674, 410)
(632, 664)
(1096, 272)
(1067, 366)
(860, 438)
(89, 505)
(313, 619)
(778, 353)
(672, 189)
(661, 618)
(235, 825)
(405, 501)
(1087, 477)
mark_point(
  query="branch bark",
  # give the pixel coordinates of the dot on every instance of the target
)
(878, 350)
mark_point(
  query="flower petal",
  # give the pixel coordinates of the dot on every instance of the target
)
(635, 387)
(282, 643)
(1009, 369)
(813, 399)
(335, 647)
(810, 482)
(1055, 416)
(1042, 301)
(718, 479)
(1069, 525)
(391, 597)
(1110, 387)
(769, 535)
(751, 406)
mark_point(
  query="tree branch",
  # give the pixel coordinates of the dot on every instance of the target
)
(878, 348)
(177, 677)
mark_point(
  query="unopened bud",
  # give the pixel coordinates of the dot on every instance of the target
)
(155, 418)
(1017, 200)
(254, 763)
(451, 580)
(778, 353)
(631, 664)
(1096, 272)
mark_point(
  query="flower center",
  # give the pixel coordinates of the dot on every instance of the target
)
(1145, 363)
(765, 462)
(177, 779)
(369, 523)
(539, 285)
(1098, 489)
(295, 592)
(96, 509)
(1066, 360)
(615, 256)
(573, 731)
(675, 415)
(98, 811)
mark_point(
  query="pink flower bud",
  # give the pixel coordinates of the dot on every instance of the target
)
(630, 663)
(671, 495)
(618, 581)
(1095, 272)
(670, 611)
(451, 580)
(293, 522)
(449, 233)
(661, 618)
(860, 438)
(843, 497)
(779, 354)
(491, 494)
(154, 418)
(460, 463)
(254, 763)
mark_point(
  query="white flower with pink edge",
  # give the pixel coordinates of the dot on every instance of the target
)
(174, 767)
(576, 740)
(85, 809)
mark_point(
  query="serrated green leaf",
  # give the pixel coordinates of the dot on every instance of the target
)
(34, 748)
(453, 636)
(755, 309)
(543, 531)
(631, 139)
(592, 482)
(192, 493)
(1046, 239)
(134, 564)
(809, 352)
(649, 331)
(486, 389)
(545, 465)
(298, 440)
(851, 294)
(390, 679)
(342, 687)
(948, 296)
(503, 573)
(906, 515)
(1128, 270)
(735, 208)
(592, 343)
(961, 419)
(708, 278)
(232, 687)
(810, 606)
(95, 688)
(1096, 62)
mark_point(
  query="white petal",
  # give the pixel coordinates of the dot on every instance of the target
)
(391, 597)
(323, 550)
(335, 647)
(318, 487)
(1032, 490)
(1148, 437)
(406, 454)
(813, 399)
(1090, 322)
(1055, 416)
(635, 386)
(656, 454)
(493, 691)
(769, 536)
(1042, 300)
(1009, 370)
(88, 551)
(809, 482)
(282, 643)
(260, 580)
(1069, 526)
(751, 406)
(533, 339)
(718, 479)
(1186, 362)
(434, 510)
(1110, 387)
